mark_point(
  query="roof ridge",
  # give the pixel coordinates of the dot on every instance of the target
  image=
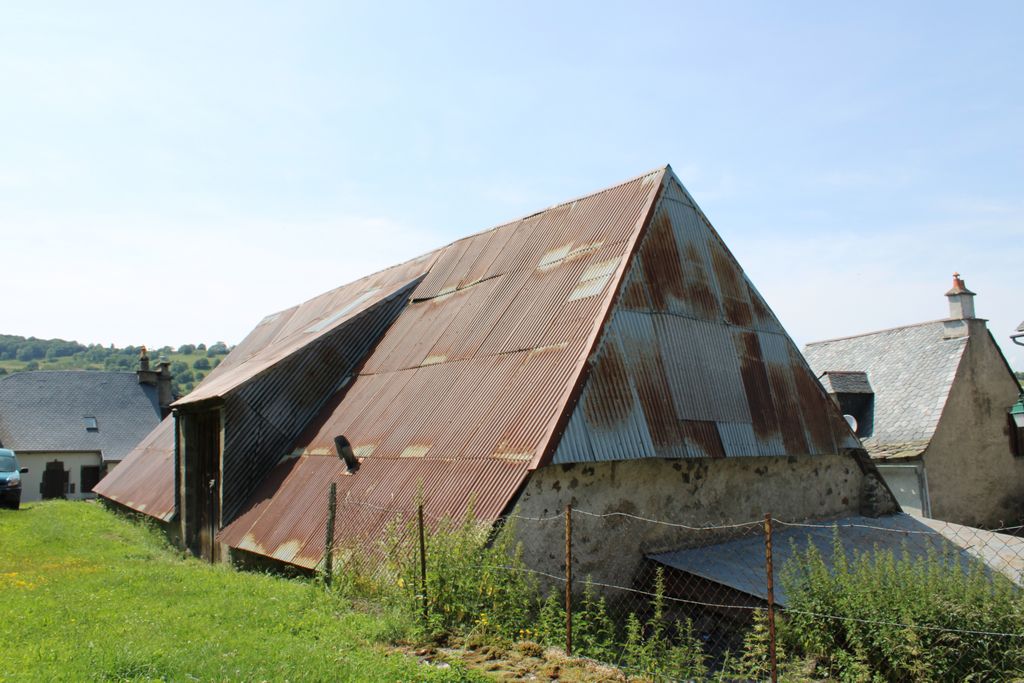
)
(588, 195)
(425, 255)
(874, 332)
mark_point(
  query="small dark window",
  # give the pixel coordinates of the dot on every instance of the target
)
(1016, 437)
(90, 424)
(862, 408)
(90, 477)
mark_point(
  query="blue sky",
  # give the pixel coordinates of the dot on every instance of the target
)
(172, 174)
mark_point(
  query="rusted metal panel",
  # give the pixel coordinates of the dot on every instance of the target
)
(266, 414)
(476, 367)
(309, 322)
(692, 362)
(144, 480)
(287, 516)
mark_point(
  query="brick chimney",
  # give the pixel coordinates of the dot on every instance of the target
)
(961, 310)
(159, 378)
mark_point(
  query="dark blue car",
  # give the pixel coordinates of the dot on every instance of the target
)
(10, 479)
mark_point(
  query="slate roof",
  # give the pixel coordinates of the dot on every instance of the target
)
(44, 411)
(841, 382)
(911, 370)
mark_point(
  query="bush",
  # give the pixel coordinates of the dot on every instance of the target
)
(218, 349)
(200, 364)
(187, 349)
(902, 618)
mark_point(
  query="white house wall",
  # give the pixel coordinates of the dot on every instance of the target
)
(36, 464)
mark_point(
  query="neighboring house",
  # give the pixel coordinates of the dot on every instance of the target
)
(69, 428)
(607, 352)
(931, 403)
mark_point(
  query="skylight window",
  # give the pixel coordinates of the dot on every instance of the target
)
(90, 424)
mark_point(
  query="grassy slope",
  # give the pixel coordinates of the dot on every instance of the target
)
(87, 595)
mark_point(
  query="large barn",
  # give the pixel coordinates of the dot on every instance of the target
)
(607, 352)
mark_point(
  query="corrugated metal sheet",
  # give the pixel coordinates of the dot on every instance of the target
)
(740, 564)
(265, 415)
(472, 377)
(693, 363)
(282, 334)
(144, 480)
(287, 516)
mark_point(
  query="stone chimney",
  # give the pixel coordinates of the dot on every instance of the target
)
(159, 378)
(961, 310)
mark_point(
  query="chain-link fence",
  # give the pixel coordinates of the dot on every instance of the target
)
(896, 598)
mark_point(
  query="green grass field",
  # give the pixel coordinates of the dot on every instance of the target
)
(86, 595)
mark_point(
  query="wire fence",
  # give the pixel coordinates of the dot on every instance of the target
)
(896, 598)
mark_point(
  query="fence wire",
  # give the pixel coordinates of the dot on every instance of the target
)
(874, 600)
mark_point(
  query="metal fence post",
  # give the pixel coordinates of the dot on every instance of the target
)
(568, 579)
(769, 573)
(332, 508)
(423, 561)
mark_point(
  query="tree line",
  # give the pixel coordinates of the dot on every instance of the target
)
(190, 363)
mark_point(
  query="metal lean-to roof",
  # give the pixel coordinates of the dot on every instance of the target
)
(144, 481)
(740, 564)
(281, 334)
(465, 391)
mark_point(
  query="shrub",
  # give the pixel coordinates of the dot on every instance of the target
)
(894, 617)
(650, 649)
(200, 364)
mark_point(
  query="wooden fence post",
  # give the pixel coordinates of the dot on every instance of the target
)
(770, 574)
(568, 579)
(332, 509)
(423, 562)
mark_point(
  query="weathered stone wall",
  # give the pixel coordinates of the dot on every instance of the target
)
(973, 476)
(694, 492)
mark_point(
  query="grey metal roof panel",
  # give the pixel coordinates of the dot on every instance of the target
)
(739, 564)
(44, 411)
(911, 370)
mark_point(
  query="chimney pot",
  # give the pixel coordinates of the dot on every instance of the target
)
(961, 300)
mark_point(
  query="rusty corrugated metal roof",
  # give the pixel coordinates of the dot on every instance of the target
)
(466, 389)
(471, 386)
(476, 367)
(692, 362)
(288, 515)
(282, 334)
(144, 480)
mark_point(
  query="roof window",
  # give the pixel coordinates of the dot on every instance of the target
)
(90, 424)
(853, 394)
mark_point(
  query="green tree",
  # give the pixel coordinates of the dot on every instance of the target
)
(187, 349)
(218, 349)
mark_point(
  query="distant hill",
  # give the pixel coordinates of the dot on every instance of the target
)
(190, 363)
